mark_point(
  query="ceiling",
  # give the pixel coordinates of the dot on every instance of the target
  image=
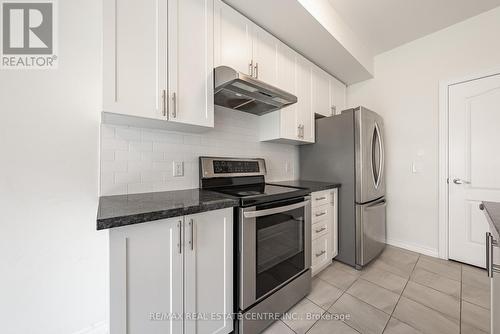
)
(386, 24)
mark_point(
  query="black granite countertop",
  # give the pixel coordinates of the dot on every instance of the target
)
(493, 211)
(312, 186)
(122, 210)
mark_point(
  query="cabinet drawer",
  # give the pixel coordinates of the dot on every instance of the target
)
(322, 213)
(319, 229)
(320, 250)
(321, 198)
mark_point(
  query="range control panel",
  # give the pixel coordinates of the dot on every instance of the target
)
(231, 166)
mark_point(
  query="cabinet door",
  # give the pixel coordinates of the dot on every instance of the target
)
(190, 62)
(321, 92)
(134, 57)
(265, 55)
(305, 114)
(209, 270)
(146, 282)
(286, 81)
(233, 41)
(337, 95)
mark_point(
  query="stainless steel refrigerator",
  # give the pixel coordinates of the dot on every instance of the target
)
(349, 148)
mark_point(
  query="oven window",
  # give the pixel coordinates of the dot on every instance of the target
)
(280, 249)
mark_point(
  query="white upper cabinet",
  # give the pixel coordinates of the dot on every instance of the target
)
(265, 55)
(142, 79)
(287, 117)
(321, 102)
(305, 115)
(337, 95)
(233, 40)
(190, 62)
(134, 57)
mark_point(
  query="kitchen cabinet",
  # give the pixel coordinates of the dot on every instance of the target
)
(243, 45)
(305, 114)
(337, 96)
(158, 63)
(321, 101)
(176, 266)
(324, 234)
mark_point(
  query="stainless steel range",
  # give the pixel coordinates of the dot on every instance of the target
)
(273, 236)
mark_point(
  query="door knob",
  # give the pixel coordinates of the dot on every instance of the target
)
(459, 181)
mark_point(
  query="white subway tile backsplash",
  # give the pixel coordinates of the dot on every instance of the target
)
(135, 160)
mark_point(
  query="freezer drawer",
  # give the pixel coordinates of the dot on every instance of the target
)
(370, 231)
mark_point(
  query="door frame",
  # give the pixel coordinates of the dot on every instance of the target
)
(443, 240)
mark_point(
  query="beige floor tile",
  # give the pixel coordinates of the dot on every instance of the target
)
(278, 327)
(346, 268)
(374, 295)
(331, 326)
(340, 278)
(324, 294)
(434, 299)
(397, 327)
(475, 276)
(476, 295)
(475, 317)
(450, 263)
(385, 279)
(424, 318)
(362, 317)
(440, 268)
(397, 261)
(443, 284)
(302, 316)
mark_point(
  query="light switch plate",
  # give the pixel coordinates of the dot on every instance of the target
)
(178, 168)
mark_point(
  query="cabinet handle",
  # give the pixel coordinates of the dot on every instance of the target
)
(490, 266)
(320, 230)
(164, 102)
(320, 253)
(191, 241)
(256, 70)
(250, 68)
(319, 214)
(174, 105)
(179, 225)
(320, 198)
(334, 110)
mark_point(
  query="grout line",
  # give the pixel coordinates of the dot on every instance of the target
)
(401, 294)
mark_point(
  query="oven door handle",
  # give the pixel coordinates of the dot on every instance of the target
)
(267, 212)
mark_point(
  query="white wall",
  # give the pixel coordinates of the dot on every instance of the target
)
(135, 160)
(52, 259)
(405, 92)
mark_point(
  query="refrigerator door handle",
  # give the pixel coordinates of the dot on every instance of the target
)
(377, 170)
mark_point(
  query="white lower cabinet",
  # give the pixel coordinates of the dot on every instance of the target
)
(173, 276)
(324, 227)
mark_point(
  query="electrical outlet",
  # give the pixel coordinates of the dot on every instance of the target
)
(178, 168)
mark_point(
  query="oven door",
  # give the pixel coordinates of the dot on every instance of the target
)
(275, 247)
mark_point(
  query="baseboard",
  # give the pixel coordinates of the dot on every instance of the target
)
(413, 247)
(97, 328)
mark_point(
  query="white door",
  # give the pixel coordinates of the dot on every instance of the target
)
(209, 271)
(474, 164)
(321, 92)
(265, 55)
(233, 40)
(146, 278)
(286, 81)
(134, 57)
(191, 63)
(305, 115)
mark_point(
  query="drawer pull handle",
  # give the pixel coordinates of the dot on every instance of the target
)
(320, 253)
(319, 214)
(320, 198)
(320, 230)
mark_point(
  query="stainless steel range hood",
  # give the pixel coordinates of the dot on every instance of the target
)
(242, 92)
